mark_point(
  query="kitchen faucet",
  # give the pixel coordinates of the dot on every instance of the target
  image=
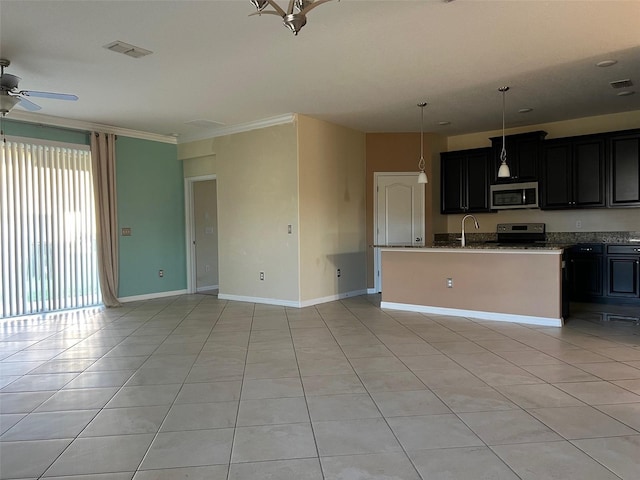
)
(475, 221)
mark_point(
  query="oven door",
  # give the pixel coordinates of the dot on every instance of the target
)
(514, 195)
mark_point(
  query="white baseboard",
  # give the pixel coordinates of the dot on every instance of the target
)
(331, 298)
(372, 291)
(207, 288)
(454, 312)
(291, 303)
(266, 301)
(151, 296)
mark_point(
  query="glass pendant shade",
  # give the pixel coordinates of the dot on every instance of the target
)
(7, 102)
(422, 176)
(503, 171)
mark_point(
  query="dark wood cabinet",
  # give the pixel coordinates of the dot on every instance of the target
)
(624, 169)
(524, 151)
(605, 273)
(573, 173)
(623, 262)
(465, 181)
(586, 268)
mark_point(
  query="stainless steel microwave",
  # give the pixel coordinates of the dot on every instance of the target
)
(514, 195)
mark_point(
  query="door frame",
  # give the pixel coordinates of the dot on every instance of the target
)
(377, 257)
(190, 234)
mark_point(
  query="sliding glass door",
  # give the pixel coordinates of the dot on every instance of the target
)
(48, 229)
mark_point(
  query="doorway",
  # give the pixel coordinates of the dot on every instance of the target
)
(398, 214)
(201, 201)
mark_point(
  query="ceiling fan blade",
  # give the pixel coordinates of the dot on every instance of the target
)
(29, 105)
(56, 96)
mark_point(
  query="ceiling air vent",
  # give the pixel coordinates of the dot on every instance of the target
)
(621, 83)
(127, 49)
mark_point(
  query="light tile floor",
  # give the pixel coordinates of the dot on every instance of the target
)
(200, 388)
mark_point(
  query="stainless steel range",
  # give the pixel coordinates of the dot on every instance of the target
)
(523, 234)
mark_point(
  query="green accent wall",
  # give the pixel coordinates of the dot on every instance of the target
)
(151, 202)
(150, 192)
(30, 130)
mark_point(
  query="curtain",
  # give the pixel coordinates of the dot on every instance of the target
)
(103, 157)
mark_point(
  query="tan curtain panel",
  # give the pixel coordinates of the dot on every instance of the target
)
(103, 158)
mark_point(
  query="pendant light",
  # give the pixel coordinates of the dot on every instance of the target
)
(503, 171)
(422, 177)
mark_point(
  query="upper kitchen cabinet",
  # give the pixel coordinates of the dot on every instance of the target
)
(624, 169)
(573, 173)
(465, 181)
(524, 151)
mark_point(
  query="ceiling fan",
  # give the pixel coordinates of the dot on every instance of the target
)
(10, 95)
(295, 17)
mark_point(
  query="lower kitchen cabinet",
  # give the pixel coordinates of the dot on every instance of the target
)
(604, 273)
(586, 272)
(623, 262)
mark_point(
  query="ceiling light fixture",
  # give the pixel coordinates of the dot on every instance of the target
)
(296, 15)
(7, 102)
(503, 171)
(422, 177)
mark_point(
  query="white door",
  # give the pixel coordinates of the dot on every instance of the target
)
(399, 214)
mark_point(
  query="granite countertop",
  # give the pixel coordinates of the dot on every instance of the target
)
(479, 246)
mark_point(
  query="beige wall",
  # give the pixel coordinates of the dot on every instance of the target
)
(205, 212)
(592, 220)
(257, 199)
(332, 211)
(487, 281)
(400, 152)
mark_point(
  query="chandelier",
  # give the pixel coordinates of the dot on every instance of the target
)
(296, 15)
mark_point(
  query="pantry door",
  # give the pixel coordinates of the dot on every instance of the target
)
(399, 215)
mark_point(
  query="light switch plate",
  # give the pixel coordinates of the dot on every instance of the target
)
(126, 231)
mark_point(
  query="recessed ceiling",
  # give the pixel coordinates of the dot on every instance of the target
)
(361, 64)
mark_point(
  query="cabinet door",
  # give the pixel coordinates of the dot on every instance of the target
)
(624, 170)
(623, 276)
(477, 180)
(451, 174)
(588, 173)
(556, 185)
(524, 152)
(586, 276)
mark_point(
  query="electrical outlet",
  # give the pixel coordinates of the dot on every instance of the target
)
(161, 273)
(339, 273)
(578, 223)
(449, 282)
(261, 275)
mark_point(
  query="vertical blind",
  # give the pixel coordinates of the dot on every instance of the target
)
(48, 235)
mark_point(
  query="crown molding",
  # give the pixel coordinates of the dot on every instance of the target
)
(239, 128)
(81, 125)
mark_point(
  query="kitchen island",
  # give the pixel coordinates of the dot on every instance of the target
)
(512, 284)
